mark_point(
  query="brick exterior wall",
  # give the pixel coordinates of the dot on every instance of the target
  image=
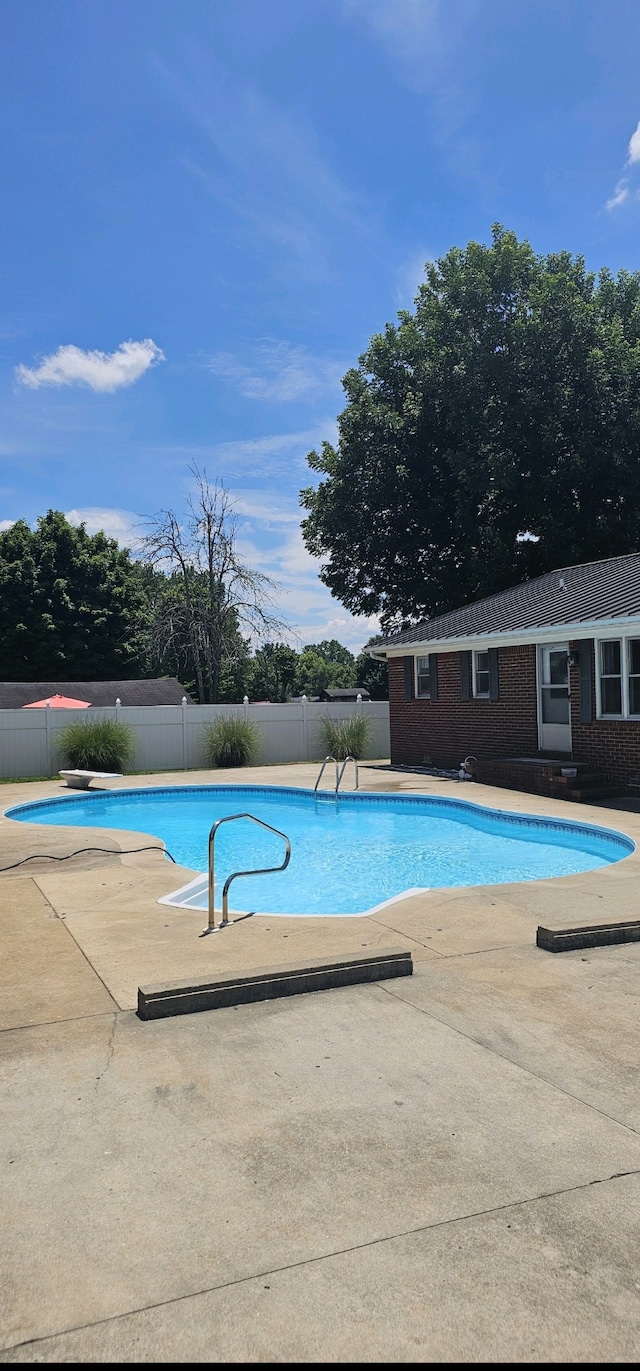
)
(442, 732)
(610, 745)
(448, 729)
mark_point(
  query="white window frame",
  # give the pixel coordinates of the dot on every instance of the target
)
(625, 661)
(481, 694)
(422, 694)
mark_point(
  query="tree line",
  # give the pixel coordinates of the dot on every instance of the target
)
(76, 606)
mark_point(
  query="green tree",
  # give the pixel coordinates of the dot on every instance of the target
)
(490, 435)
(273, 674)
(324, 665)
(72, 605)
(373, 675)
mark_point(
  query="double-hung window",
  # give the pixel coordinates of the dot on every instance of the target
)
(423, 678)
(481, 674)
(611, 678)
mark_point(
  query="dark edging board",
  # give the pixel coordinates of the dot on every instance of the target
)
(270, 983)
(595, 935)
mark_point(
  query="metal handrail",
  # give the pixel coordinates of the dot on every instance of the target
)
(342, 770)
(257, 871)
(327, 759)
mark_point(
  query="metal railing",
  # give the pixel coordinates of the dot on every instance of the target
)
(257, 871)
(321, 772)
(342, 771)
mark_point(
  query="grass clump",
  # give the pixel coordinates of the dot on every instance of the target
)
(346, 737)
(232, 741)
(97, 745)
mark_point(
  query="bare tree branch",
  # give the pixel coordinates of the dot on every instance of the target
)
(223, 596)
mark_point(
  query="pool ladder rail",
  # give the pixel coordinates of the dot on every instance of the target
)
(256, 871)
(340, 770)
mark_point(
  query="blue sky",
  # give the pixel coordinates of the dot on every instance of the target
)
(208, 207)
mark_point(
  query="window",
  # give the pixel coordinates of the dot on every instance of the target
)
(633, 647)
(423, 679)
(610, 677)
(481, 673)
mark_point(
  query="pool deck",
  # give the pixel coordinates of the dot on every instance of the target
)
(443, 1167)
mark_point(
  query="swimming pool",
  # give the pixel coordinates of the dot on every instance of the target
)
(350, 854)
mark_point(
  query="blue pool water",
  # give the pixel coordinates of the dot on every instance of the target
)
(348, 855)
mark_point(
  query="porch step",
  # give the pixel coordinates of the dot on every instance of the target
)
(589, 794)
(542, 775)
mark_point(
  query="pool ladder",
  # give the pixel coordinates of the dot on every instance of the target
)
(256, 871)
(340, 770)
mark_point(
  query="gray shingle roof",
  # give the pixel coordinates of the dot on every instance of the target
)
(571, 595)
(340, 693)
(164, 691)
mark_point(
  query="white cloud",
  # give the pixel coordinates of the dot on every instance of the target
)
(280, 373)
(406, 28)
(120, 524)
(620, 194)
(257, 507)
(5, 524)
(274, 454)
(421, 38)
(267, 167)
(410, 276)
(100, 371)
(634, 147)
(272, 542)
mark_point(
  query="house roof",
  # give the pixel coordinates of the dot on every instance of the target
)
(352, 693)
(569, 596)
(166, 691)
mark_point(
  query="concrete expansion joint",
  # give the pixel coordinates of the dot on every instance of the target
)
(321, 1257)
(488, 1046)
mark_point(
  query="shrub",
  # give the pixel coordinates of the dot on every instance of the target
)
(346, 737)
(232, 741)
(97, 745)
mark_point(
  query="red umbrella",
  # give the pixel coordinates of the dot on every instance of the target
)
(58, 702)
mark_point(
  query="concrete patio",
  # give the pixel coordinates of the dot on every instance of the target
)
(445, 1167)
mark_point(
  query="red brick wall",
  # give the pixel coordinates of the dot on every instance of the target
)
(448, 729)
(610, 745)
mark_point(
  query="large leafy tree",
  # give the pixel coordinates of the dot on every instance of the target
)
(491, 434)
(72, 604)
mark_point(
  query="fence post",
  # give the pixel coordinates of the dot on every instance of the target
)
(305, 728)
(47, 715)
(184, 733)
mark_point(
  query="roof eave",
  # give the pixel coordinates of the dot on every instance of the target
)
(550, 633)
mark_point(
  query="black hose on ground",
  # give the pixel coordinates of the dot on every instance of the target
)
(115, 852)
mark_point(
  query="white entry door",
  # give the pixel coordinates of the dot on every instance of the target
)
(553, 691)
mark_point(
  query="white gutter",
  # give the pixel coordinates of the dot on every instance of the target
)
(553, 633)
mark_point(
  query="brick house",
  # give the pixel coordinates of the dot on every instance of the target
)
(538, 679)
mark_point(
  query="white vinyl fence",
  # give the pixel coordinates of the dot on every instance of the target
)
(171, 737)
